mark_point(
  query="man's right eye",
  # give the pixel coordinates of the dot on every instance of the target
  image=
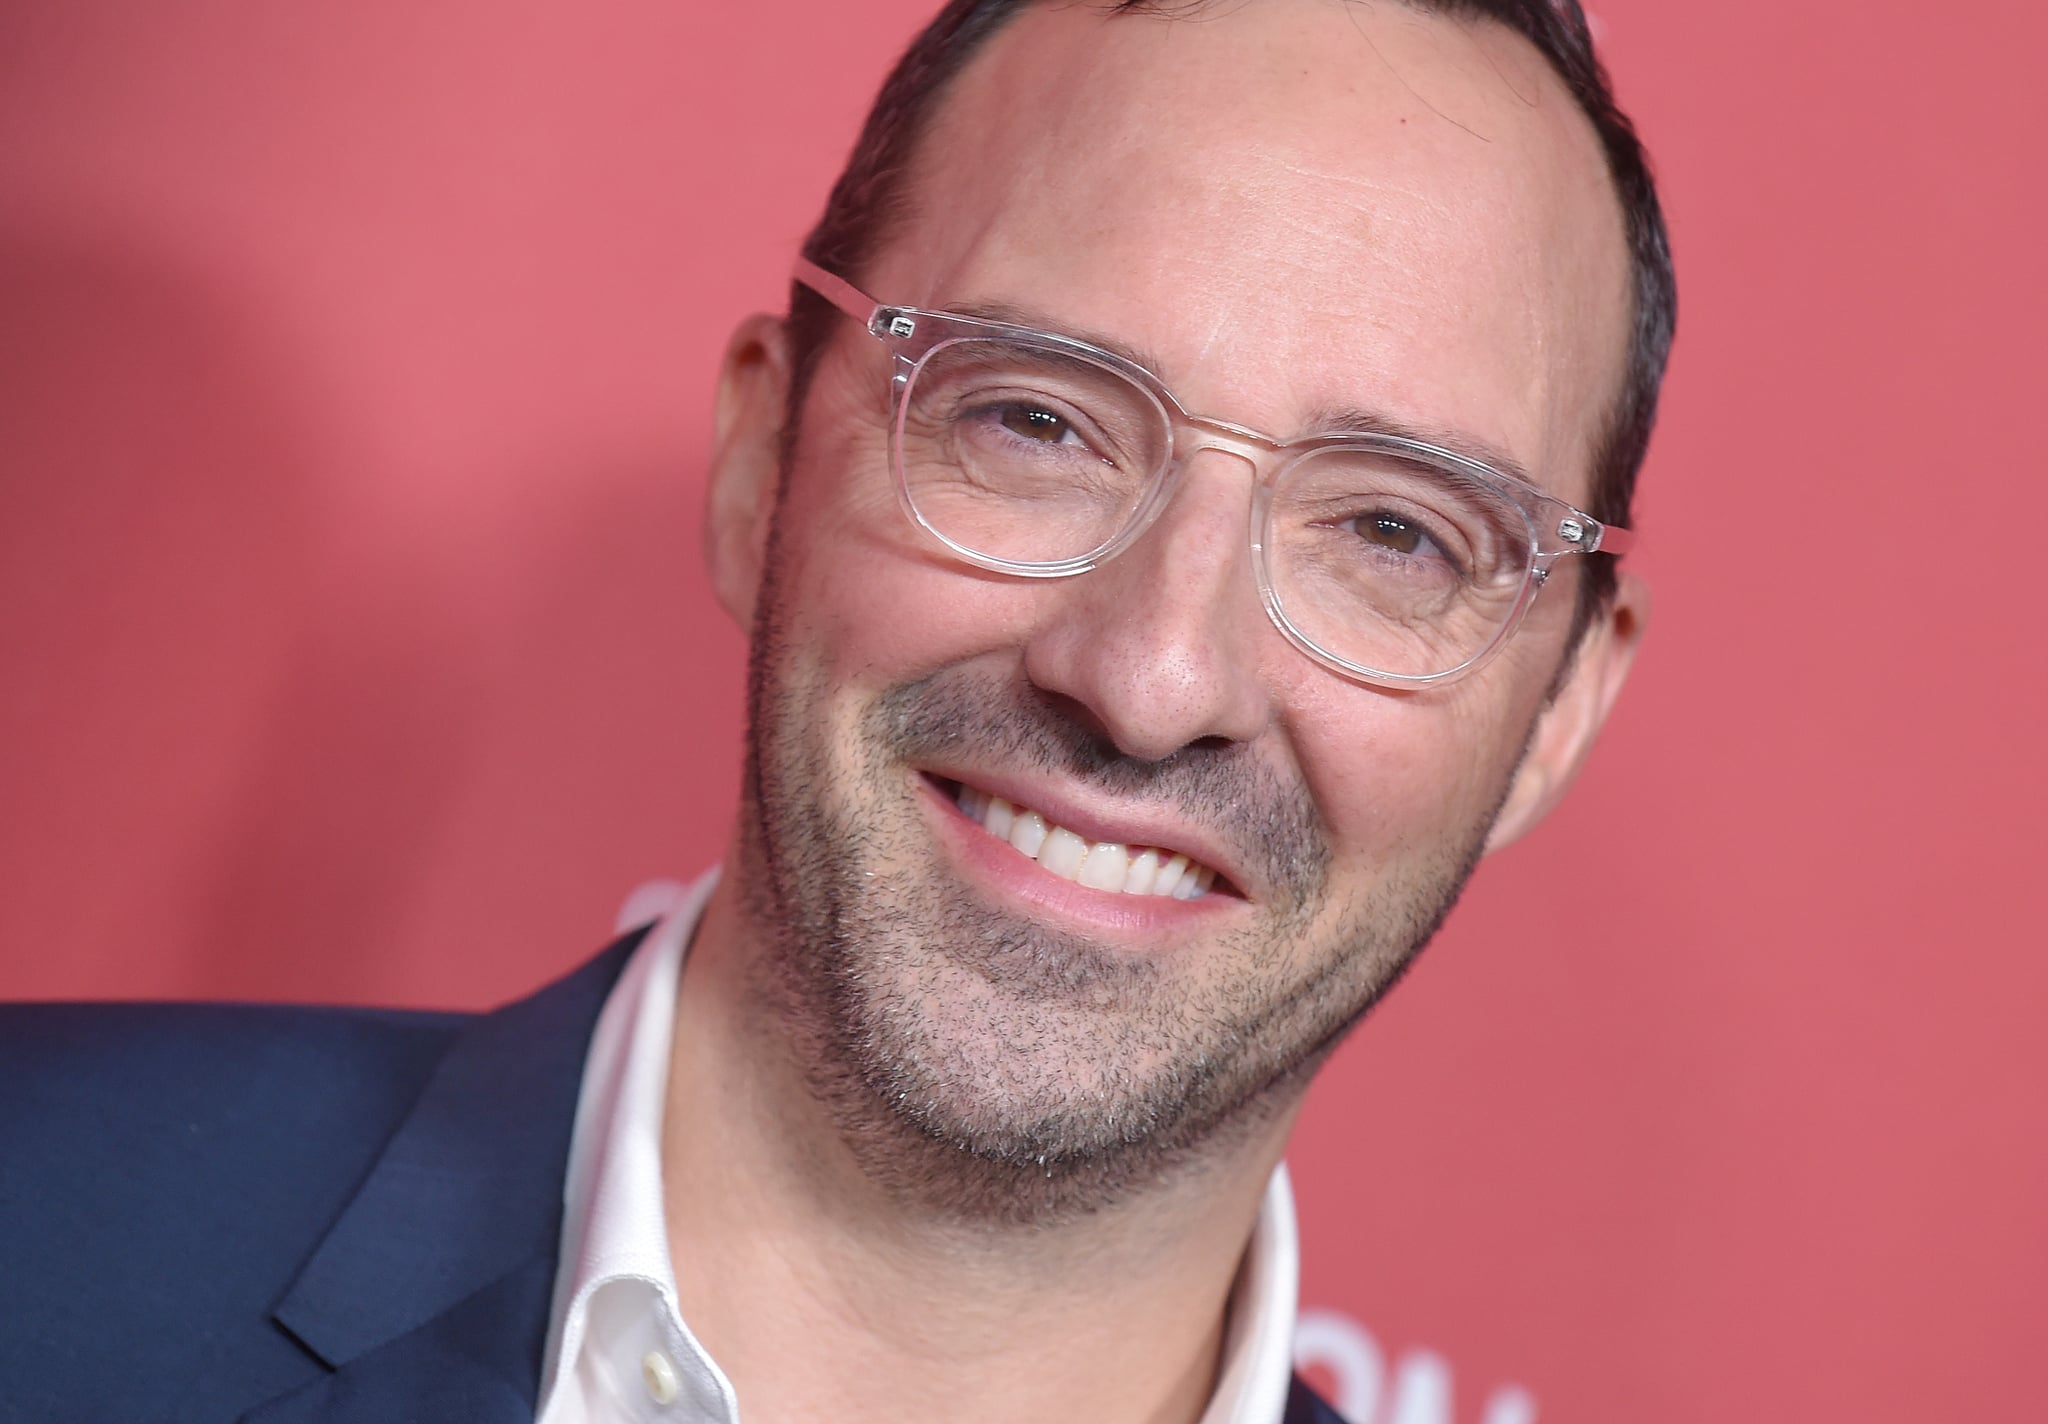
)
(1391, 533)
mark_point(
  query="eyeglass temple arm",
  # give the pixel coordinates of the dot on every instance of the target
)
(1615, 541)
(836, 290)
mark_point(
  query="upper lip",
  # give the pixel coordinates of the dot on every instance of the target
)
(1096, 818)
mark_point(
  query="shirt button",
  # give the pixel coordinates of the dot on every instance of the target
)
(659, 1375)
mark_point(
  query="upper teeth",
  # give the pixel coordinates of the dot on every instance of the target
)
(1100, 865)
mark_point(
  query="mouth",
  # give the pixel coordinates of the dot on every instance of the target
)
(1112, 867)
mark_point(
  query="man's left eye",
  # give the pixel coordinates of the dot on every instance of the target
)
(1035, 423)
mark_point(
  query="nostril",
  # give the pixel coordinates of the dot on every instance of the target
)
(1083, 718)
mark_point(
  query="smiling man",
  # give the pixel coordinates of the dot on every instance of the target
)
(1176, 524)
(1164, 587)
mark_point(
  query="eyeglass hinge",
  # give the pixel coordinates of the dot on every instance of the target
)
(890, 322)
(1571, 531)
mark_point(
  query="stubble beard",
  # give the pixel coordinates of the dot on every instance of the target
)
(986, 1067)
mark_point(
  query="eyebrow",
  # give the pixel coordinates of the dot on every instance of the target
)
(1323, 420)
(1345, 419)
(1039, 321)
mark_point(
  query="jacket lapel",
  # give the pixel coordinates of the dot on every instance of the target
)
(429, 1296)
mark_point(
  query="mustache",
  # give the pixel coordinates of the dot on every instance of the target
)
(1267, 816)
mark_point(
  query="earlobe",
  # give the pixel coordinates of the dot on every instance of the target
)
(746, 461)
(1569, 725)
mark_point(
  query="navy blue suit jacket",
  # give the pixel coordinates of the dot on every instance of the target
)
(283, 1215)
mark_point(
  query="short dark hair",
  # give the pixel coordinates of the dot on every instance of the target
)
(872, 196)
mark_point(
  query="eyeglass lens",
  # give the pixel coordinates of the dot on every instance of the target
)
(1379, 556)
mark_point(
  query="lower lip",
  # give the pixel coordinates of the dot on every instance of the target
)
(1019, 876)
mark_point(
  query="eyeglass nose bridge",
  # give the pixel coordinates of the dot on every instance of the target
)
(1195, 435)
(1259, 452)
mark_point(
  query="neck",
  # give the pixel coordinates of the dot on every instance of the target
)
(824, 1292)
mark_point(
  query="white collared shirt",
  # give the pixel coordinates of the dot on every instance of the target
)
(618, 1348)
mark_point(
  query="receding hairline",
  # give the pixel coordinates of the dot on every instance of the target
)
(907, 179)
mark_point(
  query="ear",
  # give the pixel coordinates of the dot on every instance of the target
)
(746, 461)
(1566, 730)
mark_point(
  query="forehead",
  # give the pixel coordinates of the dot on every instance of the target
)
(1292, 205)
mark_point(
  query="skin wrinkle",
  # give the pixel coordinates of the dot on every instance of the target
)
(1347, 180)
(1210, 337)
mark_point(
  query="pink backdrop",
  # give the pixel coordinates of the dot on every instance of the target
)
(354, 371)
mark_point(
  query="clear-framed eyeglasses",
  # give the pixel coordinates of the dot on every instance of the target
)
(1387, 559)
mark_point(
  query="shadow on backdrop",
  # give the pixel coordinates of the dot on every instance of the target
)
(203, 744)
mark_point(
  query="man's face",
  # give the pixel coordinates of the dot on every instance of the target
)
(1289, 207)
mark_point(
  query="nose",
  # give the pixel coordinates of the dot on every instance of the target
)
(1162, 645)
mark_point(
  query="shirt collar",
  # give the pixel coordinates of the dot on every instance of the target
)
(613, 1226)
(614, 1229)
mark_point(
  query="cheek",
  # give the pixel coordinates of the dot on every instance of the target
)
(863, 593)
(1402, 779)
